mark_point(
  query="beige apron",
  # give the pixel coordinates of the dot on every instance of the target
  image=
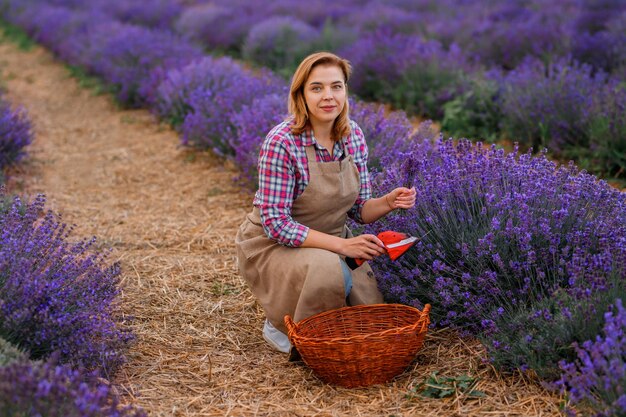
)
(300, 281)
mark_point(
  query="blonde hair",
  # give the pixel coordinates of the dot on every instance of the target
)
(297, 103)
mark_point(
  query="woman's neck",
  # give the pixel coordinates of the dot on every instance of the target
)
(323, 133)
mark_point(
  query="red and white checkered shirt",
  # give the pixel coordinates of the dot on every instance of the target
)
(284, 174)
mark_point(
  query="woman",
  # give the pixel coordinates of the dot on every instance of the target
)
(312, 175)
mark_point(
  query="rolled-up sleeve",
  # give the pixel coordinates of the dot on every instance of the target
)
(274, 198)
(360, 158)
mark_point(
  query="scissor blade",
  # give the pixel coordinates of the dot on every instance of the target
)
(403, 242)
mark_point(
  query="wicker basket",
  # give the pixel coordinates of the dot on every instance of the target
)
(361, 345)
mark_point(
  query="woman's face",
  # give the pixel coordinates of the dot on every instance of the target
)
(325, 94)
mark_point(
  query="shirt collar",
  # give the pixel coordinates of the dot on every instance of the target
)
(307, 137)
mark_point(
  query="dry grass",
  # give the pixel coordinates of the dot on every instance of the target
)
(170, 216)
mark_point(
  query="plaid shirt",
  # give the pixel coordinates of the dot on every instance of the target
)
(284, 174)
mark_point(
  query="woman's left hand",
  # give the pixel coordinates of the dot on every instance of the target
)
(401, 197)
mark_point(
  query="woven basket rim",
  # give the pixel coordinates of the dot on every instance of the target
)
(422, 315)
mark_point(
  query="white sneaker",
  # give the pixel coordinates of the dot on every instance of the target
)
(277, 339)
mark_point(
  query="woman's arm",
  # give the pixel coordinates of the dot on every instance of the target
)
(277, 184)
(375, 208)
(363, 246)
(367, 209)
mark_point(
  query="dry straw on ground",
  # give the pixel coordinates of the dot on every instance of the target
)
(170, 216)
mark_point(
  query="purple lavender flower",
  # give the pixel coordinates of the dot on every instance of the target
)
(541, 332)
(252, 124)
(15, 134)
(57, 391)
(57, 296)
(599, 373)
(387, 135)
(128, 57)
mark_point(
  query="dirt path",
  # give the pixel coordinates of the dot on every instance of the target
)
(170, 216)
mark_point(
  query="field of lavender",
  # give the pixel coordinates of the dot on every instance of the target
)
(525, 254)
(543, 74)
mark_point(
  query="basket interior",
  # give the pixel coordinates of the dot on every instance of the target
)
(351, 321)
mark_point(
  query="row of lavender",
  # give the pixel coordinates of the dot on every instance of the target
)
(15, 135)
(541, 73)
(58, 329)
(515, 249)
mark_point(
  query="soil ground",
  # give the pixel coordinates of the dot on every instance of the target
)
(170, 215)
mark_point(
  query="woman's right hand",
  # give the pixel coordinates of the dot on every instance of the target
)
(363, 246)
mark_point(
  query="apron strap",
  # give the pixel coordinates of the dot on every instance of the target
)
(310, 155)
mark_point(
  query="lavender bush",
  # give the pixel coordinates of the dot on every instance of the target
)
(171, 99)
(601, 50)
(15, 134)
(385, 134)
(279, 43)
(128, 57)
(65, 31)
(512, 32)
(252, 124)
(57, 296)
(208, 124)
(499, 231)
(415, 75)
(606, 154)
(218, 27)
(598, 376)
(549, 106)
(567, 108)
(541, 334)
(71, 4)
(47, 389)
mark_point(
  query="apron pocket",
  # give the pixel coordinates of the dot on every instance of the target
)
(251, 240)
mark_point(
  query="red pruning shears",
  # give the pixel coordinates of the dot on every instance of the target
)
(396, 243)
